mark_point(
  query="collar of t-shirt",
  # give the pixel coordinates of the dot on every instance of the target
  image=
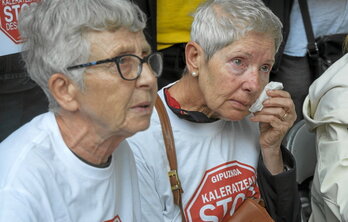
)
(193, 116)
(103, 165)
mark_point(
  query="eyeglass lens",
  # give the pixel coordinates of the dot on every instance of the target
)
(131, 66)
(156, 64)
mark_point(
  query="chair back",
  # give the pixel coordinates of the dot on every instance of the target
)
(301, 143)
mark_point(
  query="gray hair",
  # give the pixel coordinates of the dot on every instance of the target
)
(218, 23)
(55, 35)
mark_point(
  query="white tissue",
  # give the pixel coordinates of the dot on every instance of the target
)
(257, 106)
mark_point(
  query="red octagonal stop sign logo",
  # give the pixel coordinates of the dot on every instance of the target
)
(9, 10)
(221, 191)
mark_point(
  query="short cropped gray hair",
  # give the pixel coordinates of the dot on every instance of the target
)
(218, 23)
(54, 34)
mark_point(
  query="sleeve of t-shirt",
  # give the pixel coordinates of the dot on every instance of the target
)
(151, 207)
(17, 206)
(280, 191)
(155, 206)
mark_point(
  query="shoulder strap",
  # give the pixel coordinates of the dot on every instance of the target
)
(171, 154)
(312, 45)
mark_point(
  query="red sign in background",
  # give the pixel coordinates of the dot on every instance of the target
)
(9, 10)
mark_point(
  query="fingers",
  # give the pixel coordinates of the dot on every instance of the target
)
(280, 105)
(279, 98)
(277, 114)
(276, 118)
(284, 116)
(278, 111)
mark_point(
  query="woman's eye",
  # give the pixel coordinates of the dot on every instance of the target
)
(238, 65)
(265, 68)
(237, 61)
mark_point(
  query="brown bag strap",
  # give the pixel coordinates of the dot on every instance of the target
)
(171, 154)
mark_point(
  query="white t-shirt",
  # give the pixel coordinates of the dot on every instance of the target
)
(216, 163)
(42, 180)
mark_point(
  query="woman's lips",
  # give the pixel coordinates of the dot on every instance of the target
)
(240, 104)
(142, 107)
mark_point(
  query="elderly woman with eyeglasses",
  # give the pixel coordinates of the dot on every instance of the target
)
(224, 153)
(72, 163)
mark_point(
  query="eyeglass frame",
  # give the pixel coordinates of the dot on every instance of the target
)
(117, 59)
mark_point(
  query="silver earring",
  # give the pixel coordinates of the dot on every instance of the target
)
(194, 74)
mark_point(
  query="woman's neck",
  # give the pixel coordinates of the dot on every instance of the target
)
(84, 141)
(188, 94)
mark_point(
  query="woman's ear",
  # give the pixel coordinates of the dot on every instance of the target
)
(64, 91)
(194, 54)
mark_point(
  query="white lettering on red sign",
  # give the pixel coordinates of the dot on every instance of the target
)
(221, 192)
(9, 11)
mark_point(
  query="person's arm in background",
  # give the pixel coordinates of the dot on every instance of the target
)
(325, 111)
(332, 154)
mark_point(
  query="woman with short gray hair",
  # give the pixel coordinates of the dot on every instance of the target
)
(224, 153)
(73, 164)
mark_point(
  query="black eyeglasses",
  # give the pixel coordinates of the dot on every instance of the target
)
(130, 66)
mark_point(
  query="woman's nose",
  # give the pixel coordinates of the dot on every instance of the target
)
(252, 80)
(147, 77)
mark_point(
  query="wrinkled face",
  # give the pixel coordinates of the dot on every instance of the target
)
(234, 77)
(113, 105)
